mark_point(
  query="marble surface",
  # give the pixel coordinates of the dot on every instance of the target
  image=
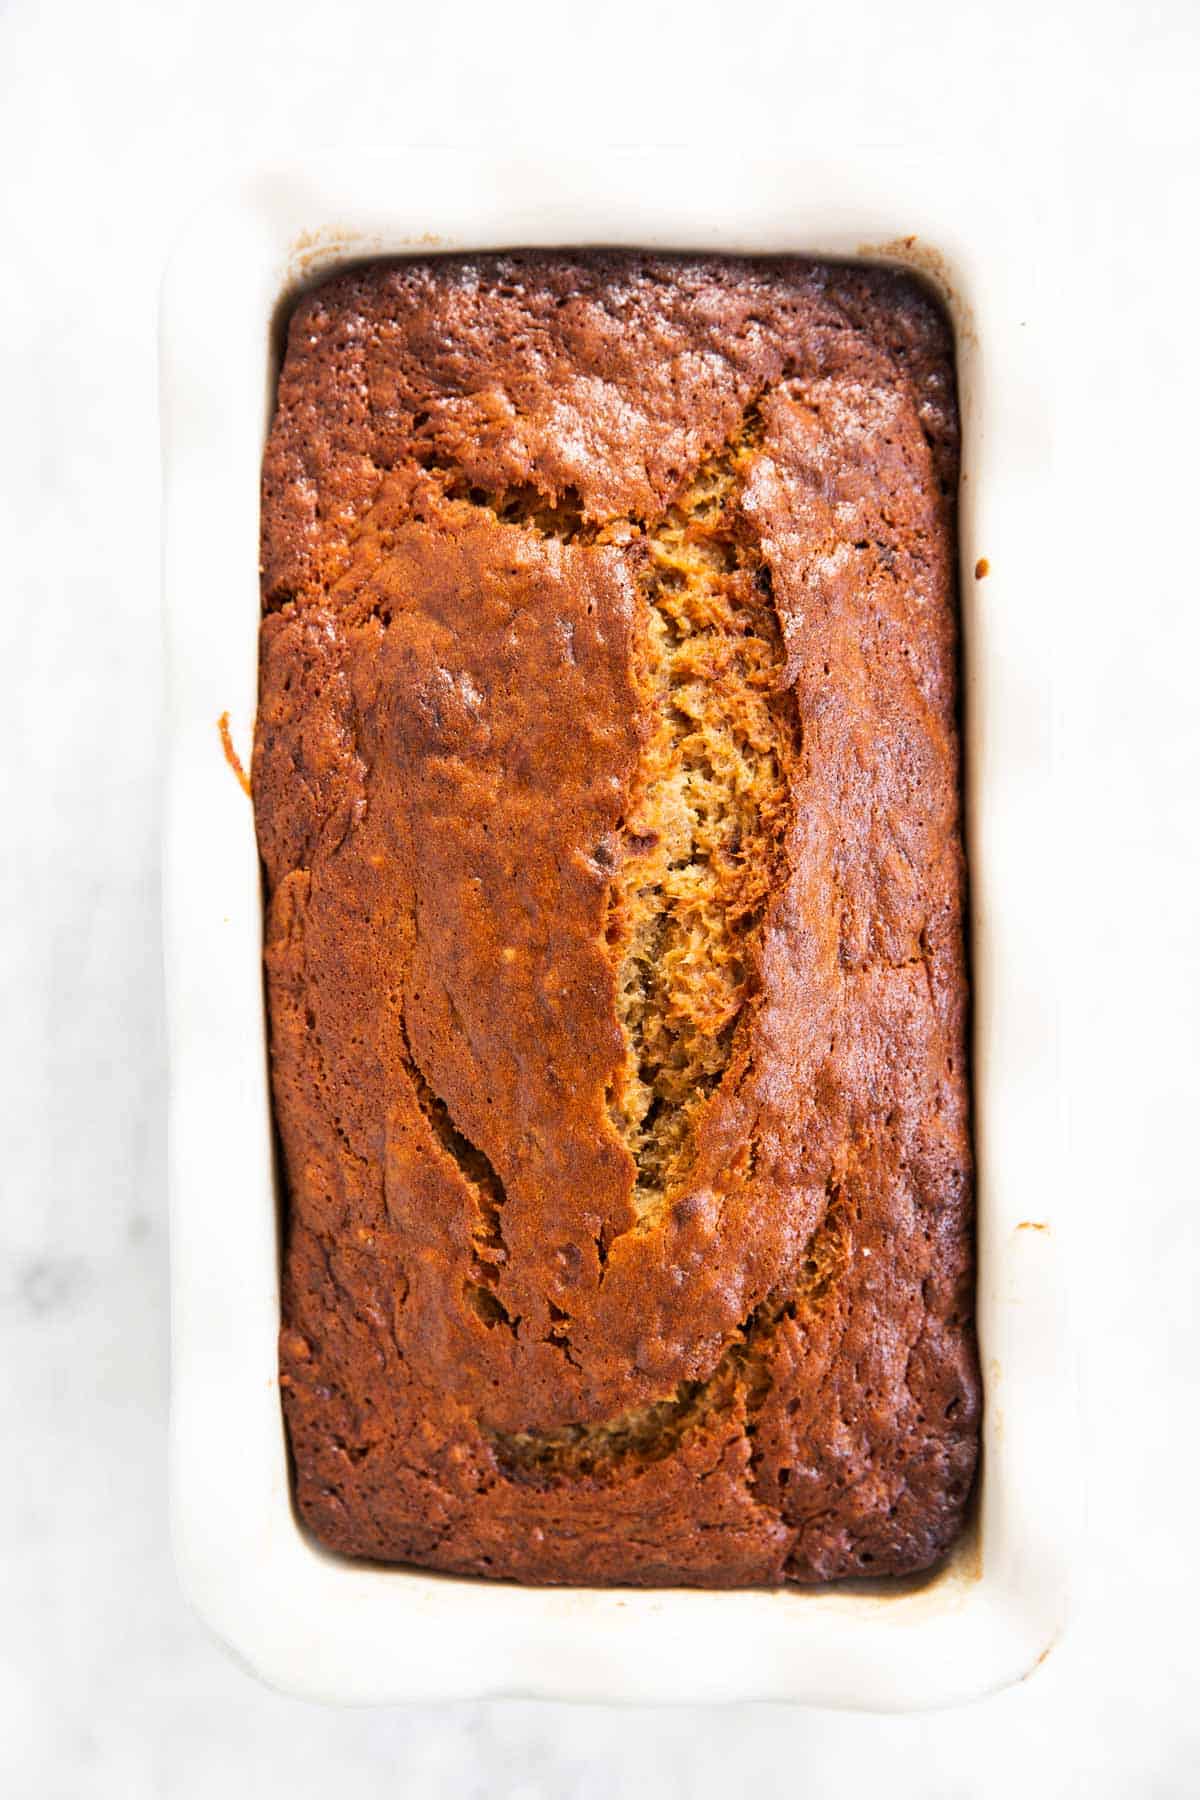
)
(114, 122)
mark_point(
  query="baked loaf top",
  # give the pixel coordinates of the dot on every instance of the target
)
(607, 787)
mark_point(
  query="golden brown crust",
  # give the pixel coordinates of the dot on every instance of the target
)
(606, 779)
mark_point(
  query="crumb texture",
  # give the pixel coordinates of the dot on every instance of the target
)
(606, 781)
(702, 836)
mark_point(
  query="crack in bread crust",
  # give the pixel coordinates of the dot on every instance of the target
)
(620, 1446)
(702, 839)
(488, 1249)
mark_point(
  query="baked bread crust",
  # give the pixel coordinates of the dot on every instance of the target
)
(606, 780)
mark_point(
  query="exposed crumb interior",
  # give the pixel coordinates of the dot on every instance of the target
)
(648, 1433)
(703, 832)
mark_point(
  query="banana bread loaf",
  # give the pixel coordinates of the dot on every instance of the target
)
(607, 789)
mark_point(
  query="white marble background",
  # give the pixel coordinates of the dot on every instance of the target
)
(115, 120)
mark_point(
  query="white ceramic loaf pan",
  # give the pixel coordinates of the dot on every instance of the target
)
(329, 1629)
